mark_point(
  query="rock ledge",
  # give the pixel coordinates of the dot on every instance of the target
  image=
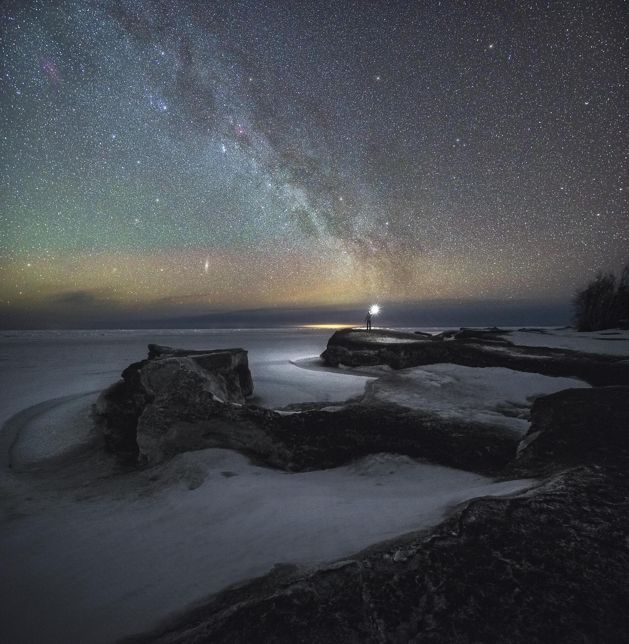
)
(471, 348)
(139, 414)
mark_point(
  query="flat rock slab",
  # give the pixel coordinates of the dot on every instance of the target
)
(359, 337)
(472, 348)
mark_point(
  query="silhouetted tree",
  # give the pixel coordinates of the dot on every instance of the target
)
(603, 303)
(623, 297)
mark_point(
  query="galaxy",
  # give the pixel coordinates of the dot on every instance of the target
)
(162, 158)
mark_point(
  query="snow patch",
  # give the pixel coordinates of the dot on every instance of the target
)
(613, 342)
(493, 395)
(53, 429)
(102, 568)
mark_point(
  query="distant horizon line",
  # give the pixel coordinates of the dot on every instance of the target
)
(440, 313)
(287, 327)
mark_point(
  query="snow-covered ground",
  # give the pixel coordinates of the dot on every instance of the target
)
(490, 395)
(83, 563)
(96, 570)
(613, 342)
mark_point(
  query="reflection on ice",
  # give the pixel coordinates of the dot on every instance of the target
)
(42, 365)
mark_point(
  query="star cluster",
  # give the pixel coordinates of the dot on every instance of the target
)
(190, 156)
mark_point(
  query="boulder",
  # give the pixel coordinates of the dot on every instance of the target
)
(576, 426)
(132, 412)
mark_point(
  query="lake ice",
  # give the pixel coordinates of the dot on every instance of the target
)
(96, 564)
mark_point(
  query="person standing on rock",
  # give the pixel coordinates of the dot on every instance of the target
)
(368, 320)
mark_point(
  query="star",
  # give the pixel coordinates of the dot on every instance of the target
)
(282, 157)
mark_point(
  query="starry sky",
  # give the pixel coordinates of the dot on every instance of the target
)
(164, 159)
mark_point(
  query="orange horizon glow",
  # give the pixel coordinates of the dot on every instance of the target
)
(327, 326)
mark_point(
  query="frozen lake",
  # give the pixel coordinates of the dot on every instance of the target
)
(85, 562)
(42, 365)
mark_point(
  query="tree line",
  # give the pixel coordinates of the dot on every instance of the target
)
(603, 303)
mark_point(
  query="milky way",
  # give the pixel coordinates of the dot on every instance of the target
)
(164, 157)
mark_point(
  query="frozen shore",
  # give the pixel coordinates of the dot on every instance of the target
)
(94, 554)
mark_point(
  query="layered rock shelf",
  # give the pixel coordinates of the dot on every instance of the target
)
(472, 348)
(183, 400)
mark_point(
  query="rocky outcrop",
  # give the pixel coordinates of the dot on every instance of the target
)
(139, 414)
(181, 400)
(576, 426)
(472, 348)
(322, 439)
(230, 365)
(550, 565)
(185, 418)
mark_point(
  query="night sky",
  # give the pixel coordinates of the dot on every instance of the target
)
(164, 159)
